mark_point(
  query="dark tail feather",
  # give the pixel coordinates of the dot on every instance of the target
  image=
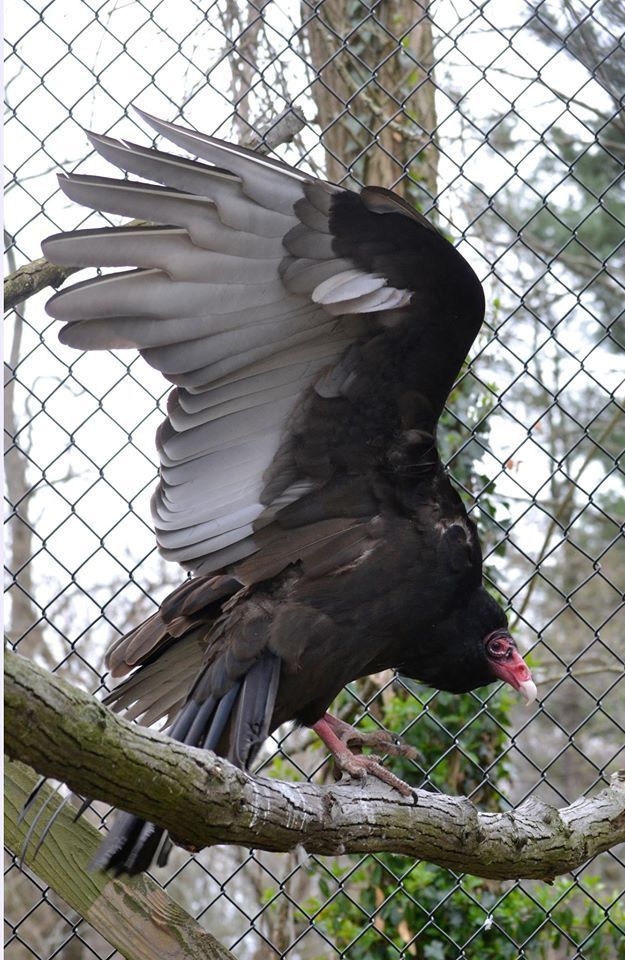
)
(132, 844)
(222, 715)
(115, 851)
(250, 727)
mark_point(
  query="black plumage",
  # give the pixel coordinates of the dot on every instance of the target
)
(313, 335)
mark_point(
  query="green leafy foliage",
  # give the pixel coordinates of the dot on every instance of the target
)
(388, 907)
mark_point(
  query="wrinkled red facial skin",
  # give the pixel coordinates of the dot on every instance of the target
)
(505, 660)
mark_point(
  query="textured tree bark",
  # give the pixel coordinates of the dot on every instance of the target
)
(135, 916)
(65, 733)
(381, 131)
(32, 277)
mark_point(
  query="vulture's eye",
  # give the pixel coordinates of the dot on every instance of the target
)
(499, 647)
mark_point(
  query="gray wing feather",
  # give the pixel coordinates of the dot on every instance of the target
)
(222, 302)
(160, 688)
(270, 183)
(162, 205)
(198, 380)
(169, 249)
(153, 293)
(303, 275)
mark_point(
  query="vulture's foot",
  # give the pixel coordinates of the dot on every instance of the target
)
(339, 737)
(377, 739)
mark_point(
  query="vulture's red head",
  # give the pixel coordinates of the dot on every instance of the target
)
(507, 664)
(471, 649)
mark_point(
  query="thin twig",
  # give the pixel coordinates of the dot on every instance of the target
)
(563, 506)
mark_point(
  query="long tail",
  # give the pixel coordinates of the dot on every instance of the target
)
(236, 721)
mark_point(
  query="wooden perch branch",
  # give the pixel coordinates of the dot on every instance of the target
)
(65, 733)
(134, 915)
(35, 276)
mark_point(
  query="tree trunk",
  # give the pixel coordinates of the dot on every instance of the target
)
(377, 132)
(26, 623)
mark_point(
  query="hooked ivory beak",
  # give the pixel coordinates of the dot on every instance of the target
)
(516, 672)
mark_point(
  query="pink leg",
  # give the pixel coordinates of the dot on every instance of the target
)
(336, 735)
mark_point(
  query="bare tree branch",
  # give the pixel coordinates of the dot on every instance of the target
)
(283, 129)
(67, 734)
(35, 276)
(26, 623)
(31, 278)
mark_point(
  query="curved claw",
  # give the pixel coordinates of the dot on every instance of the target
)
(358, 765)
(381, 739)
(49, 825)
(30, 799)
(36, 819)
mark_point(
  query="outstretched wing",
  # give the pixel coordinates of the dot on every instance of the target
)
(312, 335)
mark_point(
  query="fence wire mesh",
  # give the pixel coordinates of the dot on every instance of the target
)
(502, 121)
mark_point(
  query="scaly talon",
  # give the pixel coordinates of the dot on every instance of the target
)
(339, 736)
(388, 742)
(359, 766)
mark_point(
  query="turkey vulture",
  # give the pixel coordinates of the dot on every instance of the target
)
(313, 335)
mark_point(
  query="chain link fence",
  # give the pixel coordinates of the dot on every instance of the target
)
(502, 122)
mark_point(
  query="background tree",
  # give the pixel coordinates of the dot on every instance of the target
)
(568, 240)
